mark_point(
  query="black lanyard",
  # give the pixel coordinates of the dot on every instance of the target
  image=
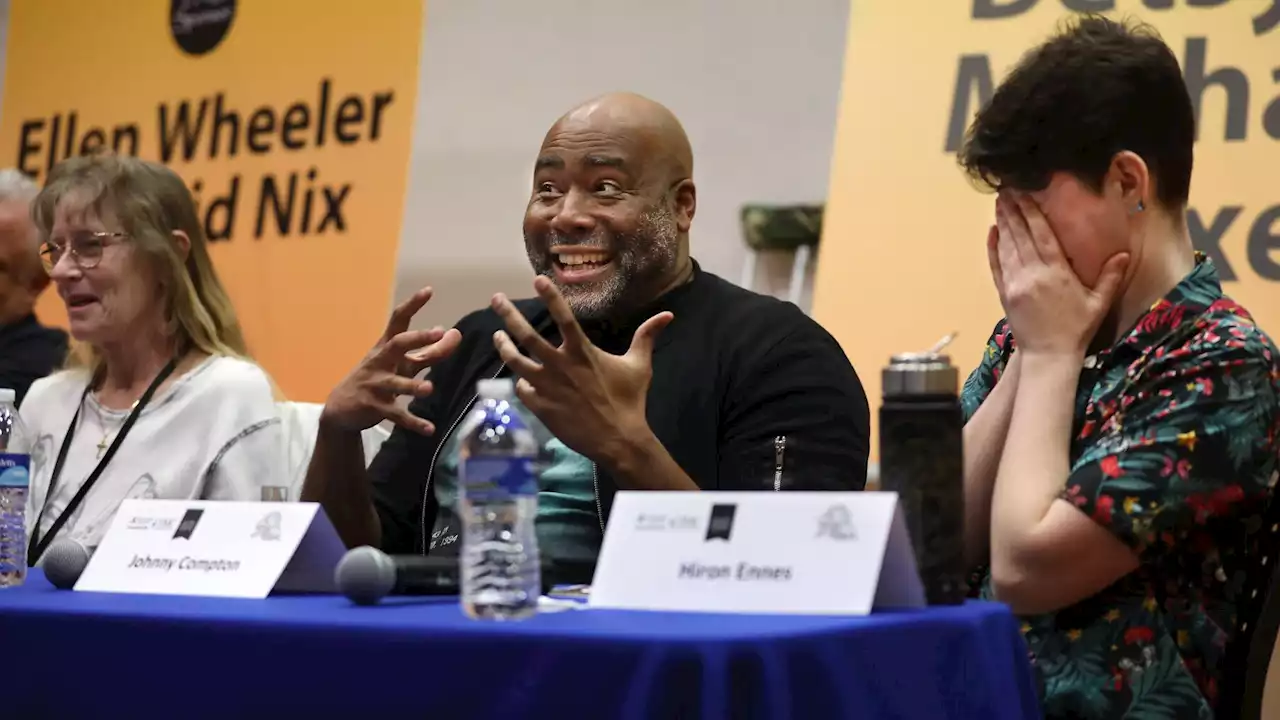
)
(38, 545)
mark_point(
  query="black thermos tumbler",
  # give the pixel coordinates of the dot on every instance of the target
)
(922, 459)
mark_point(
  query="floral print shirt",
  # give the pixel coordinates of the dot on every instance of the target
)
(1175, 449)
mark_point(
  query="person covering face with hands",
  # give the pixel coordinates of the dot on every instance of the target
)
(650, 372)
(1122, 428)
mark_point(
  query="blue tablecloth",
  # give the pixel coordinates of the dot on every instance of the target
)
(92, 655)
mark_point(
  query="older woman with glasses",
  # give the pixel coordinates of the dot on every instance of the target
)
(160, 399)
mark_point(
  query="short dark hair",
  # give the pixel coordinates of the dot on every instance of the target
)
(1097, 88)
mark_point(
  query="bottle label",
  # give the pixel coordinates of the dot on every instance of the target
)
(15, 470)
(489, 479)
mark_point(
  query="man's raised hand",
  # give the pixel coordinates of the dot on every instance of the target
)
(367, 395)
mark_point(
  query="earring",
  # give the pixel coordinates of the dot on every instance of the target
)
(1139, 208)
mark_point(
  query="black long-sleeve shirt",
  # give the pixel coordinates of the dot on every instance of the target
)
(28, 352)
(734, 374)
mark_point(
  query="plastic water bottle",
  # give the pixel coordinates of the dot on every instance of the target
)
(498, 504)
(15, 479)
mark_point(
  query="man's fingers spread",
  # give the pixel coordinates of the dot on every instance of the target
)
(570, 331)
(407, 420)
(398, 385)
(438, 350)
(412, 340)
(510, 355)
(519, 329)
(404, 312)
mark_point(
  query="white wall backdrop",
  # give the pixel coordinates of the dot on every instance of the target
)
(756, 85)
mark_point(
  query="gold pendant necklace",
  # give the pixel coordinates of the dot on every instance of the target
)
(103, 444)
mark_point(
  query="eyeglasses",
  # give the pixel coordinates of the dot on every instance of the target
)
(86, 249)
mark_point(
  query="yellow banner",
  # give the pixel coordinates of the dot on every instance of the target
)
(903, 258)
(291, 120)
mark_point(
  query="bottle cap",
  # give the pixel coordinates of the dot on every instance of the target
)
(922, 373)
(496, 388)
(8, 395)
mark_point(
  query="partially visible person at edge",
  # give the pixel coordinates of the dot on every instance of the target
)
(162, 400)
(651, 373)
(1123, 427)
(28, 350)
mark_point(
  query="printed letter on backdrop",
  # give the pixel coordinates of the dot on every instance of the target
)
(291, 122)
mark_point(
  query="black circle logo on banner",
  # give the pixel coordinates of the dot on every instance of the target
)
(199, 26)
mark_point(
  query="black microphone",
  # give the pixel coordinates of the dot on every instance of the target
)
(64, 561)
(366, 575)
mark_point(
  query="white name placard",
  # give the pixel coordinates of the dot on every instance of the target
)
(220, 549)
(757, 552)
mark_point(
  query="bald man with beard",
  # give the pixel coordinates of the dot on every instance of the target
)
(651, 373)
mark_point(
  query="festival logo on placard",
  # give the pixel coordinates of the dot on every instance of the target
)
(904, 231)
(187, 525)
(720, 525)
(268, 528)
(837, 523)
(294, 144)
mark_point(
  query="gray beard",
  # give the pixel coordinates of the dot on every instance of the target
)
(640, 259)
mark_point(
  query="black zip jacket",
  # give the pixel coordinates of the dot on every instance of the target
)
(748, 393)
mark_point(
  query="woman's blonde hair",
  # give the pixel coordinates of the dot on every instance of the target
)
(150, 202)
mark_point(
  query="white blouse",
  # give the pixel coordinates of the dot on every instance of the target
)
(213, 434)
